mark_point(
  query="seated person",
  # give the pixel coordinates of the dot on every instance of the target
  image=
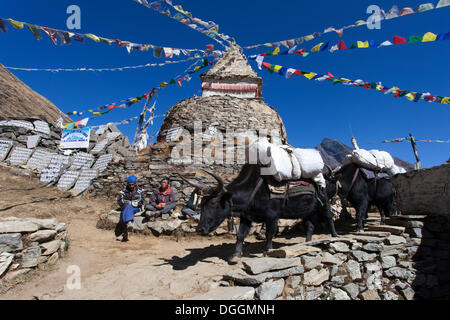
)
(162, 200)
(193, 207)
(130, 200)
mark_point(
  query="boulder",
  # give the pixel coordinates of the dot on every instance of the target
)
(338, 294)
(370, 295)
(399, 273)
(51, 247)
(340, 247)
(363, 256)
(393, 240)
(311, 262)
(315, 277)
(164, 227)
(5, 261)
(11, 242)
(260, 265)
(227, 293)
(353, 269)
(330, 259)
(18, 226)
(270, 290)
(11, 276)
(45, 223)
(53, 258)
(30, 257)
(42, 236)
(388, 262)
(313, 293)
(373, 247)
(352, 289)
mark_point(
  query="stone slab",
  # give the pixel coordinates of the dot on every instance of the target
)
(292, 251)
(11, 242)
(85, 180)
(18, 226)
(19, 156)
(33, 141)
(68, 180)
(261, 265)
(5, 148)
(100, 147)
(40, 159)
(102, 163)
(5, 261)
(82, 161)
(392, 229)
(42, 127)
(227, 293)
(241, 277)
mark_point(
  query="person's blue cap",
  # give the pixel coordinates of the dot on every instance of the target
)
(132, 179)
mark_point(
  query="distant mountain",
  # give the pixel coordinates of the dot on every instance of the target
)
(19, 100)
(333, 153)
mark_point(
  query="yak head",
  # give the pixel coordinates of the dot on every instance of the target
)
(216, 205)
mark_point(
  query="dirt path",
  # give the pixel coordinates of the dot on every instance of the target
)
(144, 268)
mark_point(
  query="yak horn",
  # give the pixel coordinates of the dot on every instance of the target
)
(330, 171)
(196, 185)
(221, 184)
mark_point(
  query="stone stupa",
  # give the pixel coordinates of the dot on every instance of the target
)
(231, 100)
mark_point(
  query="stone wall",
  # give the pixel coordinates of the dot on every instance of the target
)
(27, 244)
(424, 192)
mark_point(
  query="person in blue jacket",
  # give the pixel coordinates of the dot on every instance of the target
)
(131, 201)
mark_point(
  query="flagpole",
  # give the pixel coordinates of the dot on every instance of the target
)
(418, 165)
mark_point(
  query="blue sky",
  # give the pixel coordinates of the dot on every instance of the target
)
(311, 110)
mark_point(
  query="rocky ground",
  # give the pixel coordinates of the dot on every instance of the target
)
(147, 267)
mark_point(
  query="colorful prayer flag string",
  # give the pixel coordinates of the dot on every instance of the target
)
(392, 14)
(321, 47)
(410, 95)
(408, 139)
(148, 65)
(210, 28)
(66, 37)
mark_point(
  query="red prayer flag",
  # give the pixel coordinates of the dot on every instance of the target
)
(342, 45)
(300, 52)
(266, 65)
(399, 40)
(331, 75)
(299, 72)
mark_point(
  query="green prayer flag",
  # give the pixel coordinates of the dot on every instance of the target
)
(415, 39)
(35, 31)
(354, 46)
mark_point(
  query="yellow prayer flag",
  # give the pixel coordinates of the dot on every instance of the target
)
(411, 96)
(445, 100)
(360, 22)
(96, 114)
(380, 87)
(310, 75)
(307, 38)
(363, 44)
(276, 51)
(16, 24)
(429, 36)
(317, 48)
(163, 85)
(277, 68)
(93, 37)
(345, 80)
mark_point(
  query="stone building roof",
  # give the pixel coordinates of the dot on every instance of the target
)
(19, 100)
(232, 66)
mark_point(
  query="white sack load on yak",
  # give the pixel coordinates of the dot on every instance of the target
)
(287, 163)
(374, 160)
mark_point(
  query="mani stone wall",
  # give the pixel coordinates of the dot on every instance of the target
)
(424, 192)
(31, 145)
